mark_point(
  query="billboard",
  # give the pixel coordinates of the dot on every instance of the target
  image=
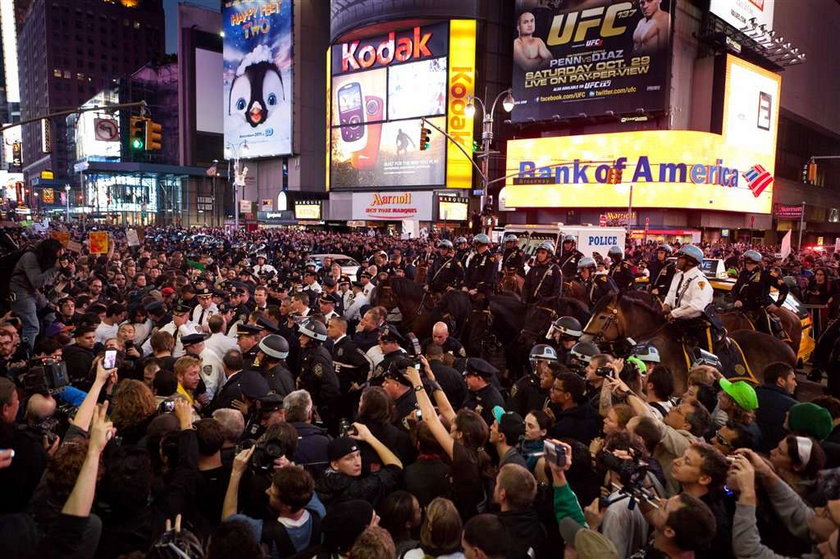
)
(738, 13)
(209, 98)
(308, 209)
(393, 205)
(379, 90)
(257, 76)
(453, 208)
(603, 56)
(660, 169)
(751, 106)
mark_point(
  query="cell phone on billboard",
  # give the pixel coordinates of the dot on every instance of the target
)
(351, 116)
(110, 360)
(366, 158)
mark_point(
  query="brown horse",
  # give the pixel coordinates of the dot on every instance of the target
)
(420, 310)
(735, 320)
(511, 282)
(619, 317)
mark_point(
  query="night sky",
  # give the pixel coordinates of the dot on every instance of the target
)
(171, 8)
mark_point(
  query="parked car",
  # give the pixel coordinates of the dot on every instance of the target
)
(349, 266)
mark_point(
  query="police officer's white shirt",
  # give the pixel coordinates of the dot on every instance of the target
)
(212, 370)
(185, 330)
(220, 344)
(367, 289)
(690, 294)
(199, 320)
(267, 268)
(353, 312)
(314, 287)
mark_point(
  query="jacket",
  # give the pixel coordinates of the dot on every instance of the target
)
(28, 277)
(335, 487)
(773, 405)
(526, 533)
(312, 445)
(581, 423)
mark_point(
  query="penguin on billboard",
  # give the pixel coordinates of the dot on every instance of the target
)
(257, 89)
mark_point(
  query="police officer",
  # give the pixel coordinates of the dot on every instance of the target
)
(265, 411)
(527, 394)
(480, 276)
(581, 355)
(398, 388)
(463, 251)
(389, 342)
(661, 272)
(752, 291)
(563, 334)
(595, 286)
(544, 279)
(689, 295)
(513, 256)
(247, 336)
(271, 362)
(569, 257)
(446, 271)
(317, 372)
(351, 366)
(621, 270)
(482, 396)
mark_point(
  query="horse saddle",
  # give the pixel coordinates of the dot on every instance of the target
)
(727, 357)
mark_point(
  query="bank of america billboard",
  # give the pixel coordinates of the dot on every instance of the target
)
(257, 77)
(606, 57)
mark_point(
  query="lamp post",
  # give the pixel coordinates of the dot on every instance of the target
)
(35, 199)
(487, 130)
(67, 201)
(239, 174)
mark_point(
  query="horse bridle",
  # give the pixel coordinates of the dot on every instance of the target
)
(552, 314)
(611, 316)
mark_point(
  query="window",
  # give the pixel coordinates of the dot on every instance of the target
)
(136, 25)
(56, 72)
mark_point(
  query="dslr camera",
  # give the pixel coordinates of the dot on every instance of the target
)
(45, 376)
(265, 453)
(606, 372)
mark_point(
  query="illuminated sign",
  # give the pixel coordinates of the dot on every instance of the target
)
(453, 208)
(10, 59)
(379, 89)
(257, 77)
(308, 209)
(392, 206)
(738, 13)
(667, 168)
(787, 212)
(606, 57)
(751, 106)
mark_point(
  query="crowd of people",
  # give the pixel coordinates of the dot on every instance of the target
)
(195, 394)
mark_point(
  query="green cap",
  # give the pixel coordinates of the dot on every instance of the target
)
(742, 392)
(810, 420)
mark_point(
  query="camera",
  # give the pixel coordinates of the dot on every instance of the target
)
(167, 406)
(555, 453)
(45, 376)
(632, 473)
(606, 372)
(265, 453)
(345, 428)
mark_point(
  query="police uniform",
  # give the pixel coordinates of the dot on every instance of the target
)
(597, 287)
(483, 401)
(622, 274)
(317, 376)
(526, 395)
(661, 274)
(514, 258)
(568, 262)
(543, 280)
(445, 272)
(753, 290)
(351, 364)
(688, 297)
(481, 272)
(379, 371)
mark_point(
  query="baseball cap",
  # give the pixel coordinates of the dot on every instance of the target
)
(589, 544)
(742, 392)
(341, 447)
(167, 291)
(511, 424)
(810, 419)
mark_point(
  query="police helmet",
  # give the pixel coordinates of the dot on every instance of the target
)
(616, 252)
(313, 329)
(586, 262)
(445, 243)
(569, 239)
(547, 246)
(665, 248)
(481, 239)
(275, 346)
(584, 351)
(511, 238)
(566, 326)
(460, 240)
(541, 352)
(752, 256)
(692, 253)
(646, 353)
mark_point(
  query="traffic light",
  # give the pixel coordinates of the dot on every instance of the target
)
(424, 138)
(154, 136)
(812, 172)
(137, 133)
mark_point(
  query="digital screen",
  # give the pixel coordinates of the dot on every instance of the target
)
(453, 211)
(417, 89)
(595, 57)
(209, 98)
(350, 98)
(307, 210)
(751, 106)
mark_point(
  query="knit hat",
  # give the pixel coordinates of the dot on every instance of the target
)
(810, 420)
(589, 544)
(341, 447)
(742, 392)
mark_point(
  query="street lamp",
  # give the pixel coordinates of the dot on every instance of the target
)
(239, 174)
(487, 129)
(67, 200)
(36, 194)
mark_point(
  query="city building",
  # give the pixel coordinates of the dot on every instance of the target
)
(68, 50)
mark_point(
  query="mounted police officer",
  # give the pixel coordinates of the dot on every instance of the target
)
(480, 276)
(317, 372)
(569, 257)
(544, 279)
(446, 271)
(513, 256)
(752, 294)
(661, 272)
(527, 394)
(621, 271)
(595, 285)
(462, 250)
(689, 296)
(563, 334)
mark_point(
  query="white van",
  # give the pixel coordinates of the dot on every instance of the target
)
(590, 238)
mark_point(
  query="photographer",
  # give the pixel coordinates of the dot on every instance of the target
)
(79, 356)
(35, 270)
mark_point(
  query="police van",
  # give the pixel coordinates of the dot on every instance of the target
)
(589, 238)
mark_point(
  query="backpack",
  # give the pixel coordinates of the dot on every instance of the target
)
(8, 262)
(275, 533)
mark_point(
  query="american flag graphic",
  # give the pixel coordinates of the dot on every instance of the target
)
(758, 178)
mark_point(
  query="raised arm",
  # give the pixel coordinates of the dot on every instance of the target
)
(81, 499)
(86, 411)
(363, 434)
(429, 415)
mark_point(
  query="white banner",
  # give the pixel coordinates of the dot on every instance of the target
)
(786, 245)
(738, 13)
(393, 205)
